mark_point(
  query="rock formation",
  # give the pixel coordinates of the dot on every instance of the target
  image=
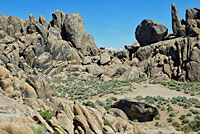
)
(35, 48)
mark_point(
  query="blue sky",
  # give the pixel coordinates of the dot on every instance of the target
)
(111, 22)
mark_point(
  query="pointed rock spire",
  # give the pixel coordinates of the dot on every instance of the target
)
(177, 27)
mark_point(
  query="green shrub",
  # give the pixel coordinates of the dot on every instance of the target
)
(186, 120)
(56, 132)
(176, 124)
(107, 106)
(89, 103)
(197, 117)
(37, 130)
(189, 114)
(197, 105)
(170, 119)
(98, 102)
(195, 125)
(172, 114)
(182, 117)
(106, 122)
(46, 115)
(186, 129)
(157, 124)
(170, 108)
(157, 117)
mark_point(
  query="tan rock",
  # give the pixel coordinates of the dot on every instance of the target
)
(29, 90)
(3, 72)
(80, 130)
(118, 113)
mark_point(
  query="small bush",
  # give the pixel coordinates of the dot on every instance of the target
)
(37, 130)
(186, 129)
(89, 103)
(46, 115)
(170, 119)
(186, 120)
(189, 114)
(100, 103)
(176, 124)
(182, 117)
(157, 117)
(106, 122)
(172, 114)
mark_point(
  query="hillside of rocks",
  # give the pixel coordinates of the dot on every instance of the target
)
(33, 48)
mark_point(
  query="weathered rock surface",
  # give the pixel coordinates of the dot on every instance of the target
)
(149, 32)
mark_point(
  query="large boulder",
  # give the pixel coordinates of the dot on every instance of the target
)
(137, 110)
(149, 32)
(74, 31)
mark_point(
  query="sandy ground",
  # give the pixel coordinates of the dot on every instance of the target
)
(149, 90)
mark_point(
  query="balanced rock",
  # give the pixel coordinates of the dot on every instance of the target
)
(149, 32)
(137, 110)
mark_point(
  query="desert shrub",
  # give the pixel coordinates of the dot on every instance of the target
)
(186, 129)
(109, 100)
(98, 102)
(46, 115)
(186, 120)
(107, 106)
(176, 124)
(182, 117)
(195, 125)
(189, 114)
(195, 111)
(193, 100)
(157, 124)
(89, 103)
(197, 117)
(37, 130)
(197, 105)
(163, 108)
(172, 114)
(170, 108)
(193, 93)
(139, 98)
(170, 119)
(56, 132)
(114, 98)
(106, 122)
(157, 117)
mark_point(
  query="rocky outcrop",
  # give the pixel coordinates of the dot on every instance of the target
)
(190, 26)
(171, 59)
(177, 26)
(149, 32)
(137, 110)
(75, 32)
